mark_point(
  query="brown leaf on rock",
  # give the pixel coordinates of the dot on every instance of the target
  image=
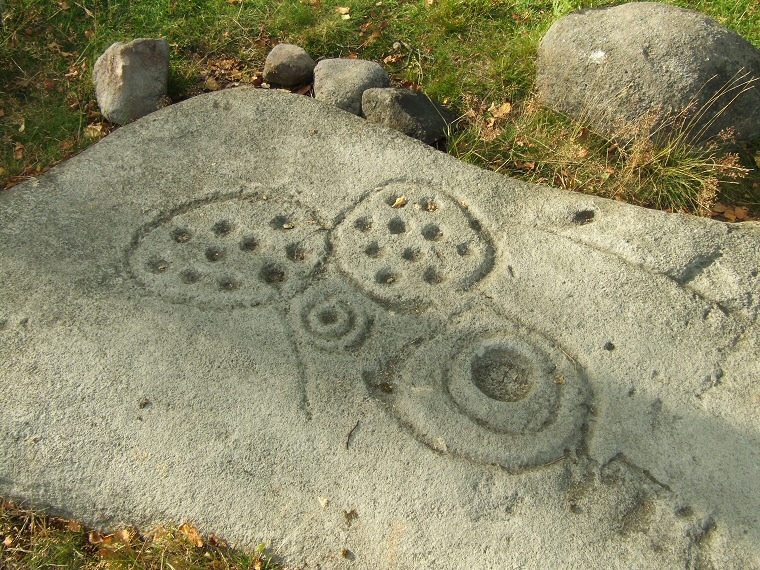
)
(741, 213)
(191, 534)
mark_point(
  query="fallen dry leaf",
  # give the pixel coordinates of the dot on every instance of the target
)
(741, 213)
(396, 57)
(2, 112)
(8, 541)
(400, 202)
(501, 111)
(216, 542)
(22, 126)
(729, 214)
(343, 10)
(345, 17)
(211, 84)
(66, 145)
(719, 208)
(95, 537)
(89, 34)
(18, 151)
(191, 534)
(49, 84)
(3, 171)
(93, 131)
(583, 152)
(160, 533)
(74, 526)
(124, 536)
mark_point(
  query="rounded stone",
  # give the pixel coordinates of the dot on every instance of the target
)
(341, 82)
(410, 112)
(644, 67)
(288, 65)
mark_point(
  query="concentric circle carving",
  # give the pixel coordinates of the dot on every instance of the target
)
(494, 393)
(332, 317)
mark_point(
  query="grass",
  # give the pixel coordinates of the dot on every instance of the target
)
(30, 540)
(476, 56)
(473, 55)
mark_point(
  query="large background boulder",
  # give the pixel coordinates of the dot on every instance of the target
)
(131, 79)
(634, 66)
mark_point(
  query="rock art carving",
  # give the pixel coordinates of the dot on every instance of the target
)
(507, 396)
(230, 252)
(332, 316)
(404, 240)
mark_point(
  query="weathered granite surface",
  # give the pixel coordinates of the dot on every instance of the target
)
(217, 314)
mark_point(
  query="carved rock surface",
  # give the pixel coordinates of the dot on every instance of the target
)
(648, 66)
(411, 112)
(288, 65)
(361, 343)
(341, 82)
(131, 79)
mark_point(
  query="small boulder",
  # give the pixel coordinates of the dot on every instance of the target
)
(288, 65)
(131, 79)
(341, 82)
(410, 112)
(637, 67)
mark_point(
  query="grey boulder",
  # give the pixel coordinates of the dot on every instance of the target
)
(288, 65)
(131, 79)
(341, 82)
(411, 112)
(651, 67)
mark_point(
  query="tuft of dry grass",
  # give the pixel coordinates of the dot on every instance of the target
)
(32, 540)
(653, 162)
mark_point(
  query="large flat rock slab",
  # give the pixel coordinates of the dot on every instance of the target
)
(263, 315)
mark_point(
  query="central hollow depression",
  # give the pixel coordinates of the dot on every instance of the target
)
(501, 374)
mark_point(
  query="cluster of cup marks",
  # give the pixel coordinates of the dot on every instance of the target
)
(396, 226)
(271, 273)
